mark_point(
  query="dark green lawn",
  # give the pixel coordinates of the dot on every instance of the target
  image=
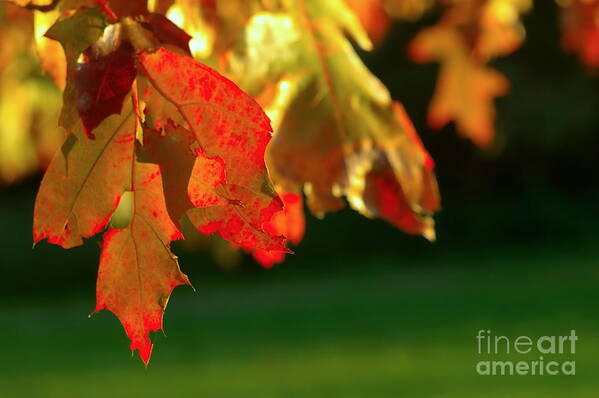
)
(365, 328)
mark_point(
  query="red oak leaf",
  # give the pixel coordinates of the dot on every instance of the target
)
(226, 122)
(137, 270)
(233, 211)
(235, 197)
(198, 184)
(214, 207)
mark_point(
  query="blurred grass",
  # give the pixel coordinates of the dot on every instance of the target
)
(361, 327)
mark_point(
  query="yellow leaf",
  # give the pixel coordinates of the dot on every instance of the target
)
(337, 127)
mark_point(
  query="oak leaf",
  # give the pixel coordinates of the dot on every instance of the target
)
(231, 132)
(83, 185)
(465, 88)
(469, 35)
(137, 270)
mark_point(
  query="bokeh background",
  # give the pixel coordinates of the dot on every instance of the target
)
(361, 310)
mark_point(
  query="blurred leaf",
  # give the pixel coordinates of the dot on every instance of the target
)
(407, 9)
(42, 5)
(373, 17)
(580, 24)
(290, 223)
(49, 51)
(470, 33)
(465, 88)
(353, 124)
(28, 105)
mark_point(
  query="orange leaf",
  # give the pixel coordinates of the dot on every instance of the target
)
(465, 87)
(83, 184)
(137, 269)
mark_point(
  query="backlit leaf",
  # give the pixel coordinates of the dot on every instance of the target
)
(83, 184)
(353, 123)
(137, 270)
(231, 131)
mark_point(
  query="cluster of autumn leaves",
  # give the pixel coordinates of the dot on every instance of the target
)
(154, 139)
(157, 143)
